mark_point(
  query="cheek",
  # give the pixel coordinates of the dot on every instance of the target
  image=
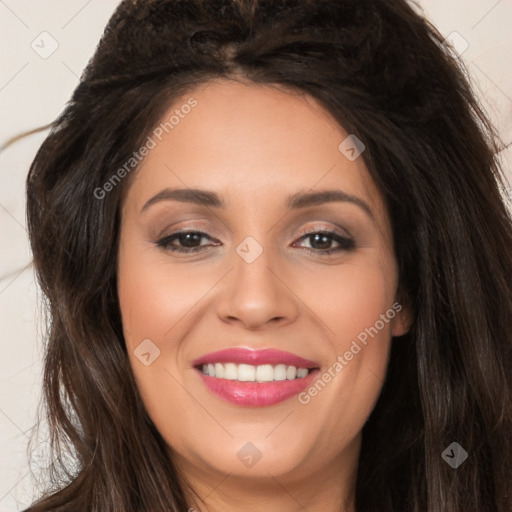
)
(350, 299)
(154, 299)
(157, 306)
(356, 307)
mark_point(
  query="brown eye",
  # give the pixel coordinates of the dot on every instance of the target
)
(321, 242)
(189, 241)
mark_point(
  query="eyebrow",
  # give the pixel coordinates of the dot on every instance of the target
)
(294, 202)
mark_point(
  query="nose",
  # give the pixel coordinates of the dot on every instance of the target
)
(257, 294)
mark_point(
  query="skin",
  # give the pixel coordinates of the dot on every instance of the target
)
(254, 146)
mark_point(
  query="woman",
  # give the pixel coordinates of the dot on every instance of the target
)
(278, 267)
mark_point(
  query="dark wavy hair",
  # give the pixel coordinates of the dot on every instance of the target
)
(383, 72)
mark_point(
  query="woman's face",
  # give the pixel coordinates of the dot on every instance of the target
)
(267, 168)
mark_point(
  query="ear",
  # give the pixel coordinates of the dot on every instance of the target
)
(404, 318)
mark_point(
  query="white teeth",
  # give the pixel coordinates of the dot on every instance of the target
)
(230, 371)
(250, 373)
(246, 373)
(291, 372)
(301, 372)
(219, 370)
(264, 373)
(280, 372)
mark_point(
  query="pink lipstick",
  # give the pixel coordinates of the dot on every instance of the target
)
(255, 378)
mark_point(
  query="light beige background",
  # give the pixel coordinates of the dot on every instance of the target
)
(34, 87)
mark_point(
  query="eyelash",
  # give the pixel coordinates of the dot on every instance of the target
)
(346, 244)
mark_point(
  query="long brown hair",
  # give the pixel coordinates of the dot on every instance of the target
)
(385, 75)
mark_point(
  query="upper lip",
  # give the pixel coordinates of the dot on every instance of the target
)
(242, 355)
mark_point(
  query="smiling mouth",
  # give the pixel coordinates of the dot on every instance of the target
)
(255, 378)
(251, 373)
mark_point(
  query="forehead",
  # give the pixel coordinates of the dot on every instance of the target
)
(248, 142)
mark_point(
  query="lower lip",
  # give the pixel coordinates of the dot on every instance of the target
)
(257, 394)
